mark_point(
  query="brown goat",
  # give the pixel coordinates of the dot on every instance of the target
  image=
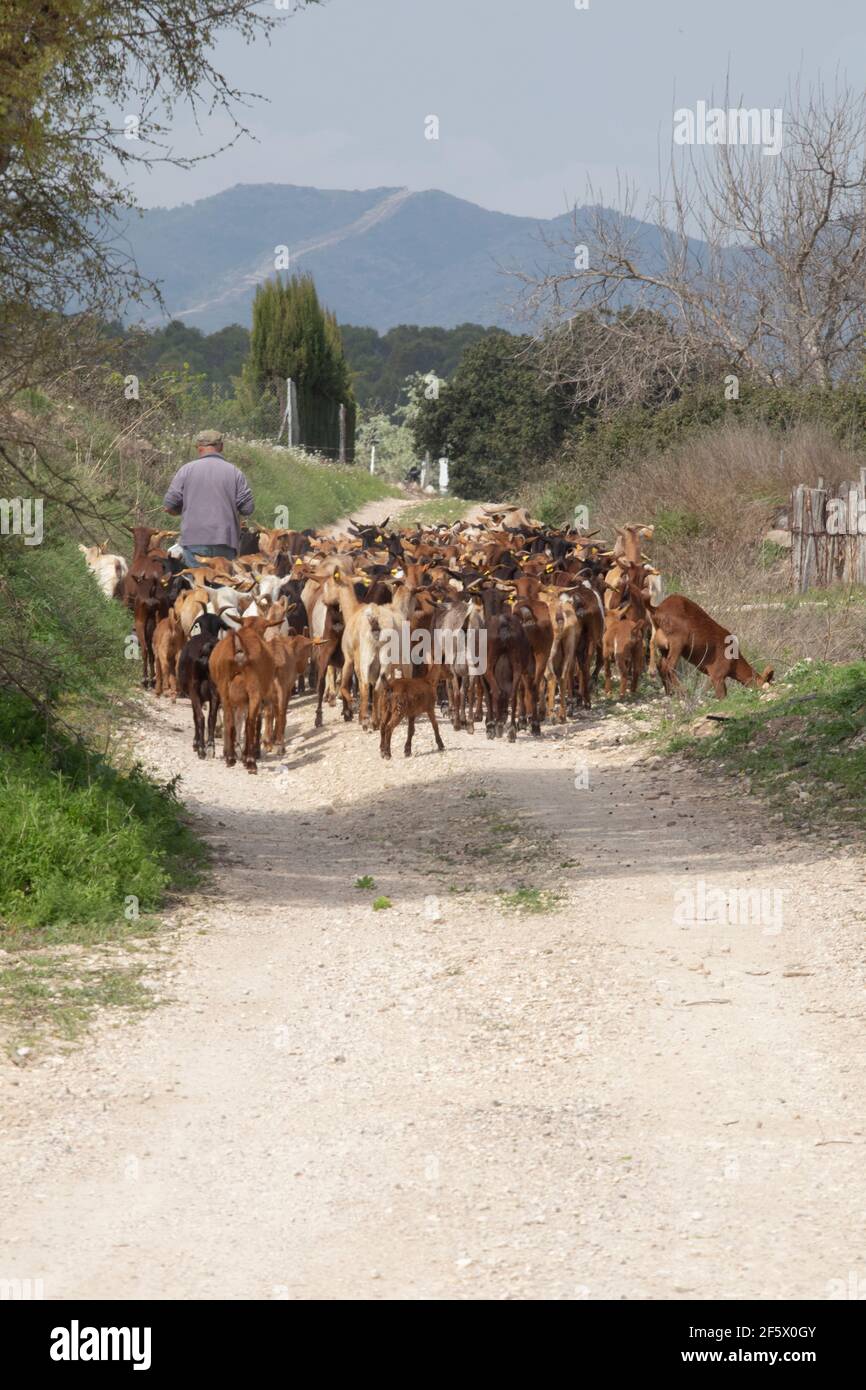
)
(242, 668)
(406, 697)
(682, 629)
(625, 631)
(168, 639)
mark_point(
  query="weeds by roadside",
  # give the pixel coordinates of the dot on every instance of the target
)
(802, 744)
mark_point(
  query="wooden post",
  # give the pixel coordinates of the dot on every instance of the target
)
(342, 433)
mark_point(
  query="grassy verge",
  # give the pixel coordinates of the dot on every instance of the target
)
(312, 493)
(804, 748)
(436, 510)
(88, 855)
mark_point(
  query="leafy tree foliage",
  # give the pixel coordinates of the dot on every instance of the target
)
(381, 362)
(293, 336)
(67, 68)
(218, 357)
(494, 420)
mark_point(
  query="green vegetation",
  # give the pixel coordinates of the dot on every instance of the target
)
(217, 357)
(530, 901)
(381, 904)
(381, 363)
(596, 448)
(365, 881)
(83, 846)
(314, 493)
(293, 336)
(494, 419)
(438, 509)
(805, 748)
(46, 997)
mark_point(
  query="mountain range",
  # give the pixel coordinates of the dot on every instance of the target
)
(380, 256)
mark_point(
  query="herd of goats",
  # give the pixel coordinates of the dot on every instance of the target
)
(502, 619)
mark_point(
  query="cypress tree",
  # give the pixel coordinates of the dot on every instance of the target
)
(293, 336)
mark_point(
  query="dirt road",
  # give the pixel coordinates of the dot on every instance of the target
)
(453, 1097)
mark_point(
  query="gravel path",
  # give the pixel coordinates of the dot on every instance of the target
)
(451, 1097)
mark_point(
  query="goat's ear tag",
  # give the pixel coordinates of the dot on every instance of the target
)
(336, 574)
(548, 569)
(298, 560)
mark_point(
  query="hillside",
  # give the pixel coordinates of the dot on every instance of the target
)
(380, 257)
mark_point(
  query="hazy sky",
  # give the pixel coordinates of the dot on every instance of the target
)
(533, 96)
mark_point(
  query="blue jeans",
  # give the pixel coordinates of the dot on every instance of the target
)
(190, 551)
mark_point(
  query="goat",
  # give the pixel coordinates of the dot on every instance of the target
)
(405, 696)
(682, 628)
(168, 639)
(194, 678)
(243, 669)
(109, 570)
(625, 629)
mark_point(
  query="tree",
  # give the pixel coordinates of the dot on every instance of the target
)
(65, 66)
(775, 288)
(381, 363)
(293, 336)
(495, 420)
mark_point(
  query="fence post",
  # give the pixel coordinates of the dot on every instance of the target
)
(342, 433)
(290, 416)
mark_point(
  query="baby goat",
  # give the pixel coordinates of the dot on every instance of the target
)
(406, 696)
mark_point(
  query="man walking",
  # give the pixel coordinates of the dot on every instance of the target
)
(208, 494)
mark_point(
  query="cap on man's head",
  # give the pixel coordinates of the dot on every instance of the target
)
(208, 438)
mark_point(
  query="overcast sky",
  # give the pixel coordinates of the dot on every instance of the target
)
(533, 96)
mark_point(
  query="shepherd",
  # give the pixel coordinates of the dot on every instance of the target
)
(209, 493)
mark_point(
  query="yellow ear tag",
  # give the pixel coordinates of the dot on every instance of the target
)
(547, 569)
(298, 560)
(336, 574)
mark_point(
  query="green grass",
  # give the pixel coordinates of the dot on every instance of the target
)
(313, 494)
(530, 901)
(381, 904)
(805, 748)
(86, 851)
(365, 881)
(438, 510)
(45, 999)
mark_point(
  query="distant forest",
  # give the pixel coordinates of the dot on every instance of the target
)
(379, 362)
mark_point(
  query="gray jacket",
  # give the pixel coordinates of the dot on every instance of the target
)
(209, 492)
